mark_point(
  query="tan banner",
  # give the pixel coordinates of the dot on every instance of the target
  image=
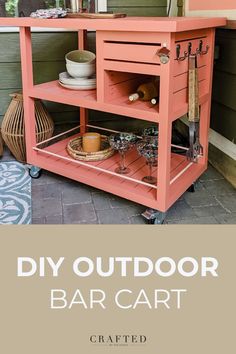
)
(120, 289)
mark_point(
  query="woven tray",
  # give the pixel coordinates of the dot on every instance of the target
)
(74, 149)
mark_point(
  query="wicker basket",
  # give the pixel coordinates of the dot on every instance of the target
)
(13, 132)
(74, 149)
(1, 144)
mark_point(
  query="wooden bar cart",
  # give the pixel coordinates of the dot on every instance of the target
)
(128, 50)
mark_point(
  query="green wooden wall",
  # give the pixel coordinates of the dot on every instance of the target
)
(49, 51)
(139, 7)
(223, 118)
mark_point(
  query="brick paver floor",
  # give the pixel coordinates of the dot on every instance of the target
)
(57, 200)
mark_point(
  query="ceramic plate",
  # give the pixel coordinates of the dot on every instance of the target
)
(66, 79)
(78, 87)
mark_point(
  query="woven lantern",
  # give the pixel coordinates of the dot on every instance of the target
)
(13, 132)
(1, 144)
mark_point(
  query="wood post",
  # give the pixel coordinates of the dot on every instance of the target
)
(82, 43)
(2, 8)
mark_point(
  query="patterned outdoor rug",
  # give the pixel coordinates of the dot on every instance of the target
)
(15, 194)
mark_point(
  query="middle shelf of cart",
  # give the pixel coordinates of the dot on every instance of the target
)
(52, 91)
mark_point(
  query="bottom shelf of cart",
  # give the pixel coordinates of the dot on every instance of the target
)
(56, 159)
(122, 188)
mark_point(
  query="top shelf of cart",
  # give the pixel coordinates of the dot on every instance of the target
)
(141, 24)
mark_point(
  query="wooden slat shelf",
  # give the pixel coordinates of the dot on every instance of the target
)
(137, 164)
(138, 109)
(52, 91)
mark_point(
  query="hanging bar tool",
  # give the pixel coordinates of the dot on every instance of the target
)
(195, 148)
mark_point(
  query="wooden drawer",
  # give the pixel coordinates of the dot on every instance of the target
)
(131, 52)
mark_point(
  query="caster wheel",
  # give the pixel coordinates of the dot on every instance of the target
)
(159, 221)
(154, 217)
(191, 189)
(155, 221)
(151, 222)
(35, 172)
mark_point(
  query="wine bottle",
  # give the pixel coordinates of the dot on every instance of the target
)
(145, 92)
(154, 101)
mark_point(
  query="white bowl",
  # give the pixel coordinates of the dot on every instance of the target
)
(80, 57)
(78, 70)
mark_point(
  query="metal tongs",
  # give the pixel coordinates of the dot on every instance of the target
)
(195, 148)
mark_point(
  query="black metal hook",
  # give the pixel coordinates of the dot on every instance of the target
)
(189, 48)
(199, 51)
(200, 48)
(178, 57)
(205, 51)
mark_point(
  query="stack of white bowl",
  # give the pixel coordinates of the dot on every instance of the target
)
(81, 67)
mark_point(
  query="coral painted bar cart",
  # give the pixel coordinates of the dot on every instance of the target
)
(128, 51)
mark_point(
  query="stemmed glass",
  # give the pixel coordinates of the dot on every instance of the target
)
(122, 142)
(150, 134)
(148, 149)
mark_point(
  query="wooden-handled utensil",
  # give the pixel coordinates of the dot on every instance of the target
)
(195, 148)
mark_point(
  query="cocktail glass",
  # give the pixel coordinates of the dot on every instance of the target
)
(122, 142)
(149, 152)
(150, 135)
